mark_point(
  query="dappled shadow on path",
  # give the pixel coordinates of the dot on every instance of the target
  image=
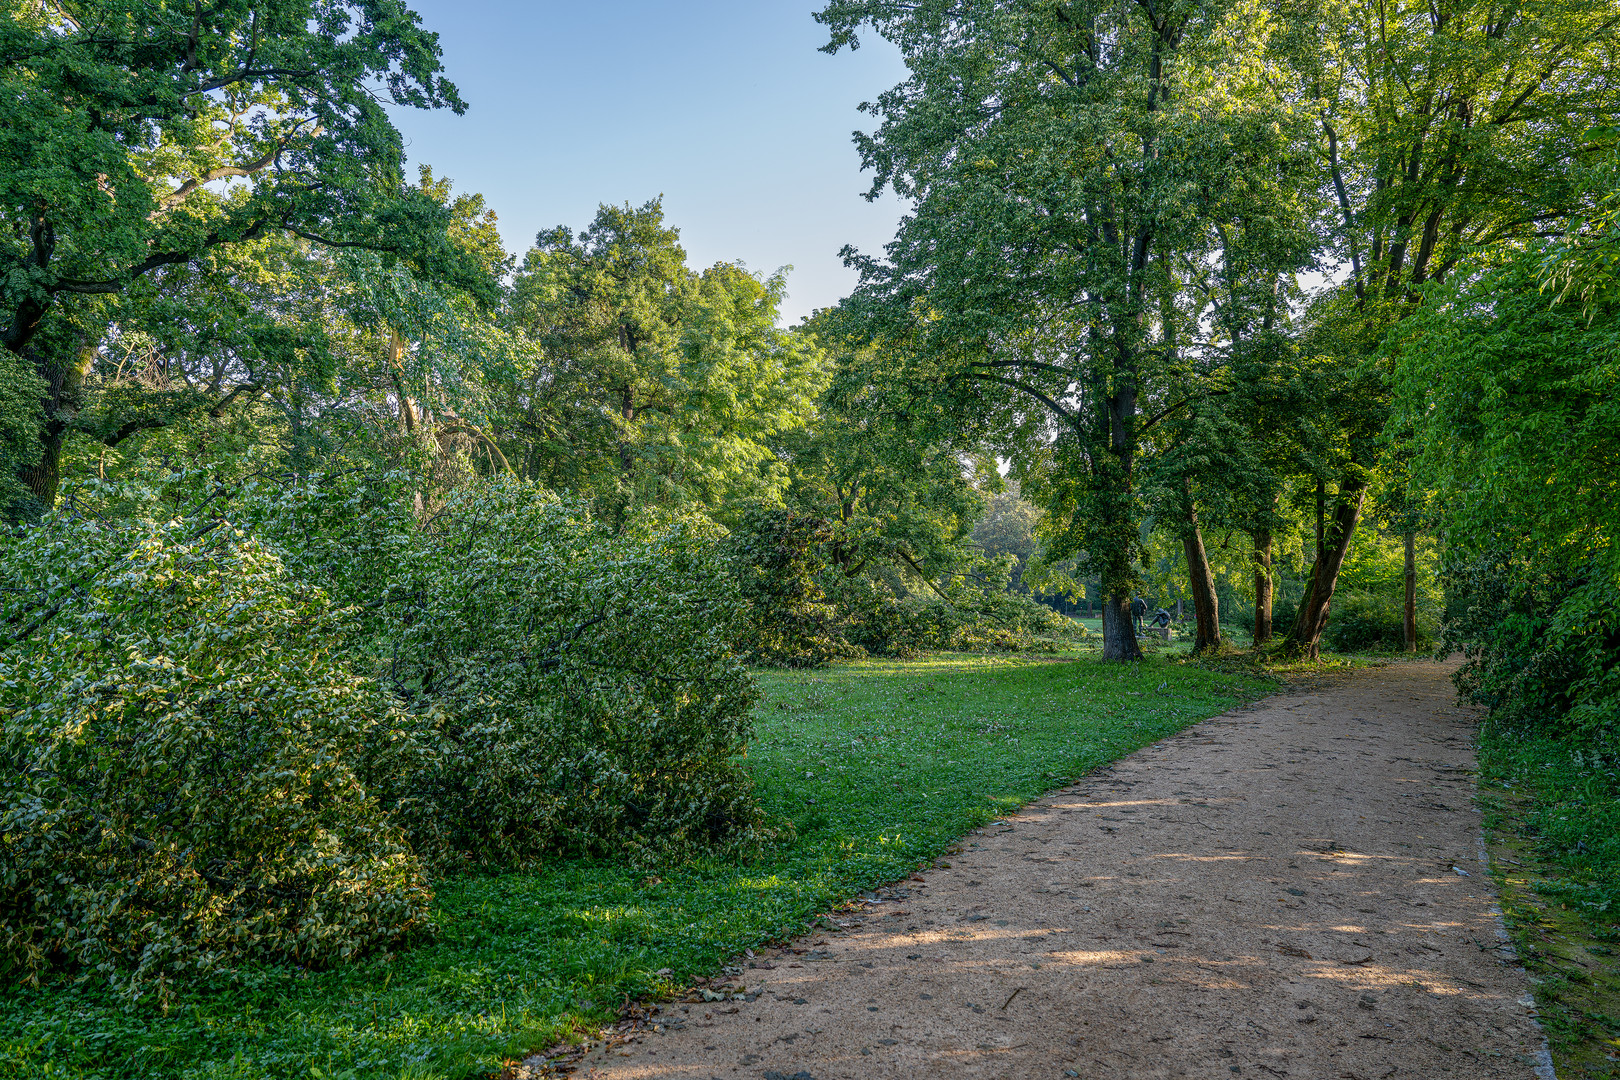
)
(1291, 889)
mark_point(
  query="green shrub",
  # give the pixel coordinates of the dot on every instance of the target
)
(569, 689)
(1369, 605)
(209, 762)
(1369, 622)
(805, 607)
(1542, 644)
(179, 770)
(972, 616)
(775, 556)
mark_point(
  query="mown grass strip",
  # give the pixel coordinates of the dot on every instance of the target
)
(1552, 823)
(879, 765)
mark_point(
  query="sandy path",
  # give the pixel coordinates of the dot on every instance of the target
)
(1276, 892)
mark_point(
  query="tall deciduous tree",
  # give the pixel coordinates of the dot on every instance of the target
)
(903, 497)
(142, 134)
(1062, 160)
(653, 383)
(281, 353)
(1443, 126)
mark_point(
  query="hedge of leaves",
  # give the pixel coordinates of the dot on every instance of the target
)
(180, 764)
(209, 761)
(569, 688)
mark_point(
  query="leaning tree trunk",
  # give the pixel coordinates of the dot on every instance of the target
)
(1206, 606)
(1411, 592)
(1306, 636)
(1261, 557)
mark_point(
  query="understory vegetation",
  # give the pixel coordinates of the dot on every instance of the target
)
(211, 760)
(872, 768)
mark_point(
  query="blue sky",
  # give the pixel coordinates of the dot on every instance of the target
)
(725, 107)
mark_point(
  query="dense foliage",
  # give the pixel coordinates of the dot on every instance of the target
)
(1519, 428)
(185, 747)
(210, 760)
(122, 121)
(1367, 606)
(805, 607)
(1509, 380)
(566, 688)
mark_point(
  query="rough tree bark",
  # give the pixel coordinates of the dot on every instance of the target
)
(1119, 630)
(1306, 636)
(1119, 634)
(1206, 605)
(1261, 558)
(64, 369)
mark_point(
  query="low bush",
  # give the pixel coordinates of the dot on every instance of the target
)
(1371, 622)
(568, 688)
(180, 766)
(775, 556)
(209, 762)
(805, 608)
(1369, 605)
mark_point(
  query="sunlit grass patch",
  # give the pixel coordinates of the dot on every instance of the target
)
(879, 765)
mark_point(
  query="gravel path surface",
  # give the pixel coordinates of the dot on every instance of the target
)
(1292, 889)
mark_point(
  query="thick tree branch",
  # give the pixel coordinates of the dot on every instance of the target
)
(1067, 416)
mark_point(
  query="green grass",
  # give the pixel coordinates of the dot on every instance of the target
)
(1553, 821)
(880, 765)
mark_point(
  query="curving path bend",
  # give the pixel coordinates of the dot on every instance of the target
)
(1292, 889)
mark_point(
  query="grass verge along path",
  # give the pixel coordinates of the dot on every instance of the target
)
(1552, 823)
(879, 765)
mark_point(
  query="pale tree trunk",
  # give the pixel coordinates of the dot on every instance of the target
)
(409, 418)
(1306, 636)
(396, 367)
(1411, 591)
(1261, 558)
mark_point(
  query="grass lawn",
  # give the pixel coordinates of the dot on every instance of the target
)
(1552, 820)
(879, 764)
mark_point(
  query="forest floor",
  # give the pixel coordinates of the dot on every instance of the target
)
(1292, 889)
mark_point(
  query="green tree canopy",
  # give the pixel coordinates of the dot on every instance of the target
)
(143, 135)
(653, 384)
(1070, 166)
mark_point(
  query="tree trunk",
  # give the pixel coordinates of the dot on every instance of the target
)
(396, 369)
(1306, 636)
(627, 413)
(1262, 586)
(1206, 606)
(1119, 635)
(64, 371)
(1411, 591)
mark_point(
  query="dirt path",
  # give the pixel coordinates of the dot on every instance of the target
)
(1289, 890)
